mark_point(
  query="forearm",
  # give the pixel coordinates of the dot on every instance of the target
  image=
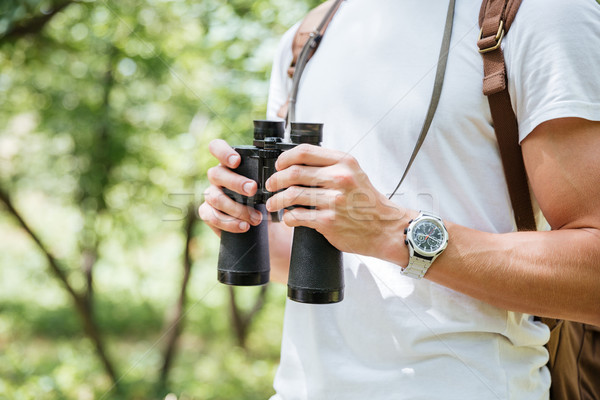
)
(554, 274)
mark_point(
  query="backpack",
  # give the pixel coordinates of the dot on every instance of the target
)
(574, 348)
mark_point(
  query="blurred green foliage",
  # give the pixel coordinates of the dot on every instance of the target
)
(106, 109)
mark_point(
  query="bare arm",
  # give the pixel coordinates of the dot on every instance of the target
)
(553, 274)
(557, 273)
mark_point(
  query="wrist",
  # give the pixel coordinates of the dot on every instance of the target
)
(391, 242)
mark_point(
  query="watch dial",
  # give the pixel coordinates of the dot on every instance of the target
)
(428, 236)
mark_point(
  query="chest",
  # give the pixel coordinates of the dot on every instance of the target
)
(374, 72)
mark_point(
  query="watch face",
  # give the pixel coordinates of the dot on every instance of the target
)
(428, 236)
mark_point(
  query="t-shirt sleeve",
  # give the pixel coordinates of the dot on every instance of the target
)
(553, 58)
(280, 81)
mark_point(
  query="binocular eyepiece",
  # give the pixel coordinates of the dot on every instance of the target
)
(316, 274)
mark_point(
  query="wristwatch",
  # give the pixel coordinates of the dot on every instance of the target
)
(426, 238)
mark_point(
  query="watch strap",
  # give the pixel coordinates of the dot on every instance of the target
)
(417, 267)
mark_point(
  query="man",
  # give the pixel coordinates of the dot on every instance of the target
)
(465, 331)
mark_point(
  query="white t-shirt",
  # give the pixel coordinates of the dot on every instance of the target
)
(370, 83)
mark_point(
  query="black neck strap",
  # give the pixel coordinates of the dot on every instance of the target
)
(437, 91)
(313, 42)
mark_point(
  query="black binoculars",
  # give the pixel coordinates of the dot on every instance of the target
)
(316, 274)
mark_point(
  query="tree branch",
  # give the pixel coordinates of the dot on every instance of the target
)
(52, 262)
(89, 326)
(33, 25)
(101, 161)
(258, 305)
(237, 319)
(241, 321)
(89, 256)
(176, 323)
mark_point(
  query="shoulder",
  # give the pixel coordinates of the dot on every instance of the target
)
(557, 8)
(279, 82)
(283, 55)
(551, 51)
(554, 31)
(284, 49)
(556, 17)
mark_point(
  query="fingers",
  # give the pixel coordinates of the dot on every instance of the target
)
(307, 165)
(338, 176)
(219, 221)
(303, 196)
(300, 175)
(306, 154)
(222, 213)
(315, 219)
(220, 201)
(224, 153)
(224, 177)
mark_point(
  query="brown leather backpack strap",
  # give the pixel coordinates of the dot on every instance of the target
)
(310, 24)
(495, 18)
(305, 43)
(573, 348)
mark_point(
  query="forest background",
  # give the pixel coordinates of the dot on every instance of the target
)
(107, 277)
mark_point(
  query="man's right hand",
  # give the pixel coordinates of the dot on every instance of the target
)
(218, 211)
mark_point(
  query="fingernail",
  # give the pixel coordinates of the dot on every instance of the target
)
(268, 205)
(256, 217)
(244, 225)
(247, 187)
(232, 159)
(268, 184)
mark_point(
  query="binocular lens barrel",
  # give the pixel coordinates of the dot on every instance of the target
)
(302, 132)
(244, 257)
(265, 129)
(316, 274)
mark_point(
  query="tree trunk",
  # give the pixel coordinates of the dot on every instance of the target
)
(175, 325)
(241, 321)
(83, 309)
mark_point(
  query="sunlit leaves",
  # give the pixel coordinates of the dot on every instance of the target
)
(106, 110)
